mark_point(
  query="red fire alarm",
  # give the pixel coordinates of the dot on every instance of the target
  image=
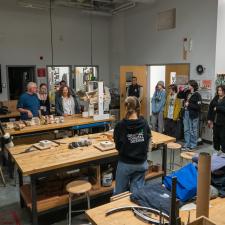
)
(41, 72)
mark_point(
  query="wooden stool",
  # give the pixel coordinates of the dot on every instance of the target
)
(2, 176)
(76, 188)
(173, 147)
(187, 156)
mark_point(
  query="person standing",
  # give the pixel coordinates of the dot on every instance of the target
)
(158, 103)
(135, 89)
(44, 99)
(172, 112)
(28, 104)
(216, 118)
(132, 137)
(66, 103)
(191, 113)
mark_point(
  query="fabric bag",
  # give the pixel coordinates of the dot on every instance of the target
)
(187, 178)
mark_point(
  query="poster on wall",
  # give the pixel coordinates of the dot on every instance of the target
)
(206, 84)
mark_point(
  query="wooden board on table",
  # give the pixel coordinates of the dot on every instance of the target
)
(101, 148)
(158, 139)
(97, 215)
(38, 146)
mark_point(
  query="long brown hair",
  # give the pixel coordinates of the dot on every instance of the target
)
(61, 91)
(132, 105)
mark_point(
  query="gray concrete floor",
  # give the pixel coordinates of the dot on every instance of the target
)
(9, 195)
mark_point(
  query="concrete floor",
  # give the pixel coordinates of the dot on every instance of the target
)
(9, 195)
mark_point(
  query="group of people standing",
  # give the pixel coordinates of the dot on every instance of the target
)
(36, 102)
(132, 135)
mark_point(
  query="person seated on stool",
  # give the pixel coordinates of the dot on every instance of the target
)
(29, 104)
(132, 137)
(66, 104)
(172, 112)
(135, 89)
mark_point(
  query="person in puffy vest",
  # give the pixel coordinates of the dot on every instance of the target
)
(135, 89)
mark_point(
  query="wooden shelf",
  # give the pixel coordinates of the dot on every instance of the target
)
(44, 203)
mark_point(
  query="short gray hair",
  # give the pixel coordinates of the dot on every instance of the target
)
(31, 84)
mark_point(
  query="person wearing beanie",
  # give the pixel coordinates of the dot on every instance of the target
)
(158, 103)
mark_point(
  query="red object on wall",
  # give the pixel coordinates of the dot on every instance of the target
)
(41, 72)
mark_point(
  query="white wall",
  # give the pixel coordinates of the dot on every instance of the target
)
(220, 43)
(25, 36)
(135, 39)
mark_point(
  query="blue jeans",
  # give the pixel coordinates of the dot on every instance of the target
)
(190, 131)
(130, 177)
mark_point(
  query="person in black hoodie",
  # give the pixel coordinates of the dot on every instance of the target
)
(132, 136)
(191, 113)
(216, 118)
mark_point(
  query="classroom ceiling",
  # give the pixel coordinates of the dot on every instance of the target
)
(107, 7)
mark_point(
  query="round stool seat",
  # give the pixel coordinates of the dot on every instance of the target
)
(78, 187)
(173, 146)
(187, 155)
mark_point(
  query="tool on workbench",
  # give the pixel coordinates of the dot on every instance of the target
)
(82, 143)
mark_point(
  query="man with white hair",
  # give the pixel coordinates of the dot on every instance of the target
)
(28, 104)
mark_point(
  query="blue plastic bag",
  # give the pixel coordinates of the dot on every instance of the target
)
(187, 178)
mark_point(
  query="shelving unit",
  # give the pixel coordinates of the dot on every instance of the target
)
(45, 203)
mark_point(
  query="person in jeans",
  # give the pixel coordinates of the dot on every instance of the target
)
(191, 113)
(172, 112)
(216, 118)
(158, 103)
(132, 137)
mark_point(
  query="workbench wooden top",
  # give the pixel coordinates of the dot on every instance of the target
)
(10, 115)
(69, 121)
(97, 215)
(61, 156)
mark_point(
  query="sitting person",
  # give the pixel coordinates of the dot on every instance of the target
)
(28, 104)
(44, 100)
(66, 104)
(132, 137)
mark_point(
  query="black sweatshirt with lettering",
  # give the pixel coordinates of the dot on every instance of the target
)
(132, 140)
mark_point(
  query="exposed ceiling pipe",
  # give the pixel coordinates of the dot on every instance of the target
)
(123, 7)
(97, 13)
(73, 4)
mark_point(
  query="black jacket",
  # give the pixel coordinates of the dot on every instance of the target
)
(59, 105)
(132, 140)
(218, 116)
(195, 102)
(134, 90)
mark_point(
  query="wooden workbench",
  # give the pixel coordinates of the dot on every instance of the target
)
(43, 163)
(70, 121)
(12, 107)
(97, 215)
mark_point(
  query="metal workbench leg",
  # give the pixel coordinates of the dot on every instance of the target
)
(34, 201)
(164, 160)
(22, 203)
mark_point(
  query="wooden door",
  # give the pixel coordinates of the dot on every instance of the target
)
(126, 72)
(182, 72)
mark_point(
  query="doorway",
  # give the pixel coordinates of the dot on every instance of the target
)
(18, 78)
(126, 74)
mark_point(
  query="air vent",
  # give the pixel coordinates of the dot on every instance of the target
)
(166, 20)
